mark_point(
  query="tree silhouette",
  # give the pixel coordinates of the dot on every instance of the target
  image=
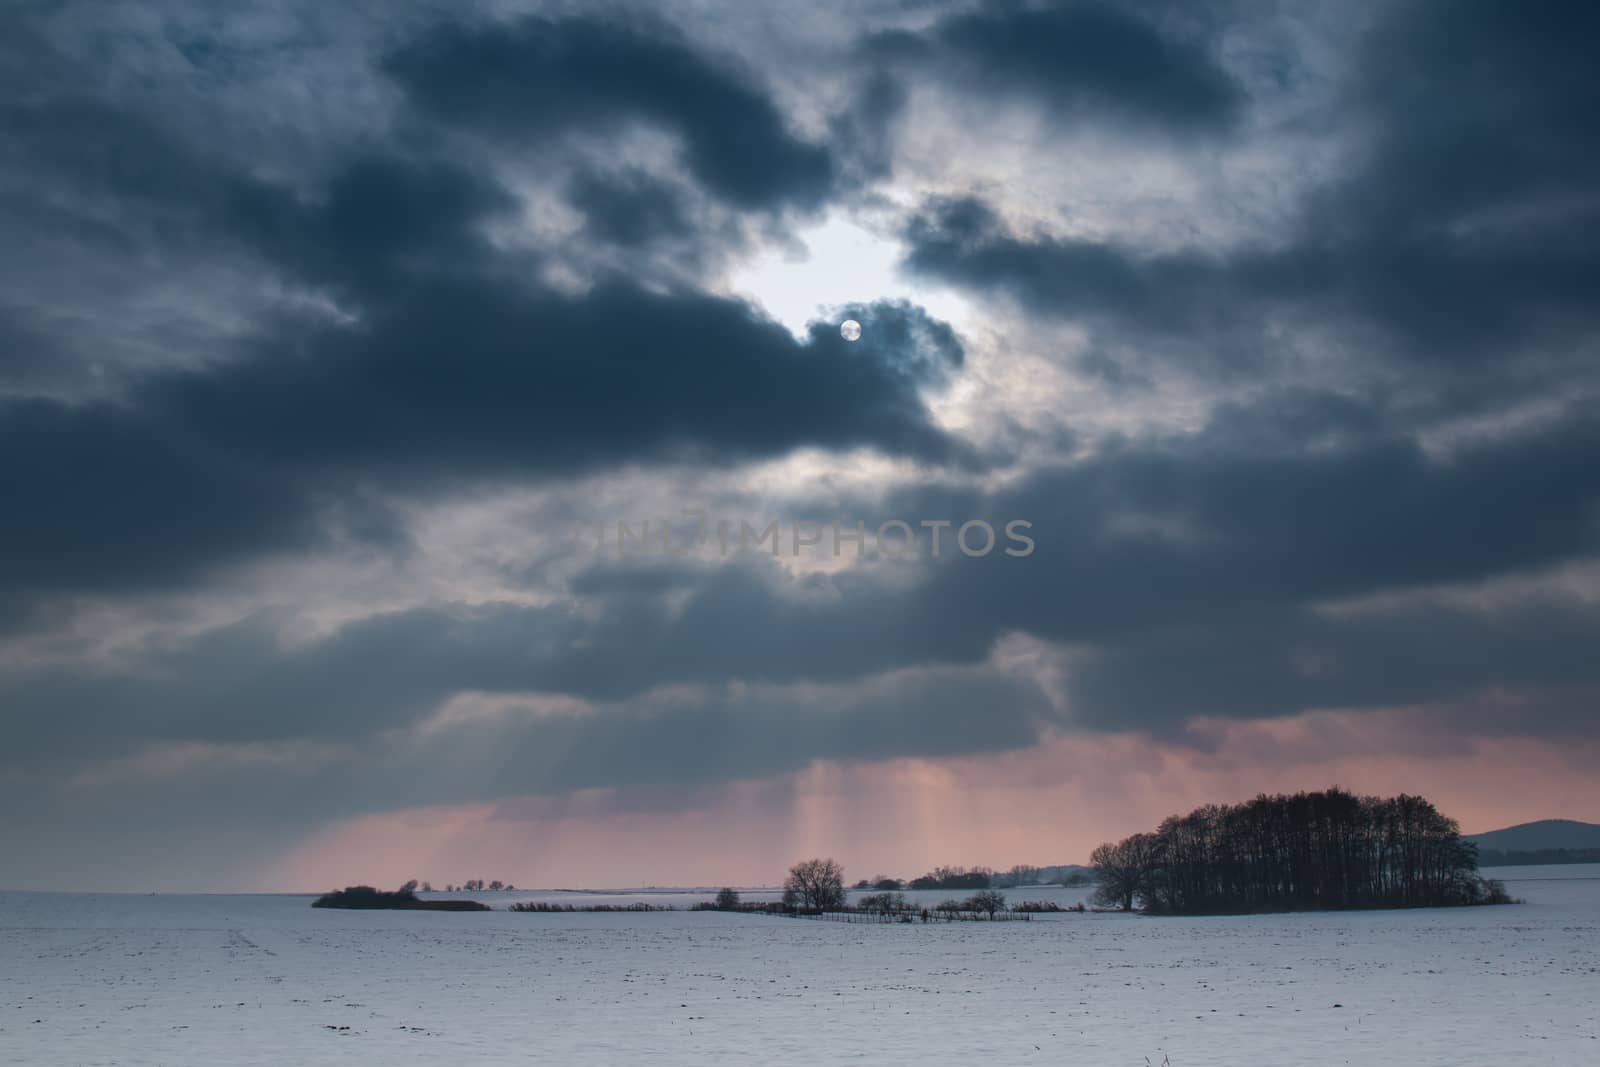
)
(1125, 870)
(814, 885)
(1329, 849)
(987, 900)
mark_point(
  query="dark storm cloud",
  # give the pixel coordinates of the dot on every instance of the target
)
(1259, 517)
(74, 143)
(385, 220)
(675, 742)
(1478, 107)
(373, 678)
(770, 732)
(1531, 656)
(197, 467)
(29, 355)
(1438, 299)
(528, 78)
(460, 363)
(456, 363)
(865, 132)
(1082, 61)
(242, 683)
(110, 499)
(963, 240)
(1177, 573)
(629, 209)
(1460, 236)
(1209, 550)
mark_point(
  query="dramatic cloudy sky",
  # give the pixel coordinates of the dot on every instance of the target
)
(330, 336)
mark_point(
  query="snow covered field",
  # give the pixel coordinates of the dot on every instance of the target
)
(95, 979)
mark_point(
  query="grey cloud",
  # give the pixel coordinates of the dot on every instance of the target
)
(1477, 110)
(1448, 253)
(457, 368)
(1443, 270)
(1082, 61)
(681, 739)
(536, 76)
(1259, 513)
(1210, 536)
(110, 499)
(230, 807)
(1440, 302)
(630, 209)
(542, 384)
(1523, 668)
(243, 682)
(199, 467)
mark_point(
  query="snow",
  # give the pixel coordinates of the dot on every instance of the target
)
(100, 979)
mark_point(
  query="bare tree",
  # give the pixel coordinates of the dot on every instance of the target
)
(815, 885)
(727, 899)
(988, 900)
(1125, 869)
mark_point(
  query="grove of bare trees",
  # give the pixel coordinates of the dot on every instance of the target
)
(1308, 851)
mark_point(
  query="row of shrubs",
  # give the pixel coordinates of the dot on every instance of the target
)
(890, 905)
(543, 906)
(986, 902)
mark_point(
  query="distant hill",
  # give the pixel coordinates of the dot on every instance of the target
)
(1544, 834)
(1545, 841)
(1059, 874)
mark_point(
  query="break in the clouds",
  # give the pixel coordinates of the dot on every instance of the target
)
(328, 340)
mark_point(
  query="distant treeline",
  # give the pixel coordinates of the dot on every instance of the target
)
(981, 878)
(1308, 851)
(954, 878)
(813, 890)
(475, 885)
(1494, 857)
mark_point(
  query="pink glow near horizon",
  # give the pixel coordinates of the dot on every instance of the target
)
(1048, 804)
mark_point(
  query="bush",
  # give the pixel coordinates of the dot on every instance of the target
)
(364, 896)
(1491, 891)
